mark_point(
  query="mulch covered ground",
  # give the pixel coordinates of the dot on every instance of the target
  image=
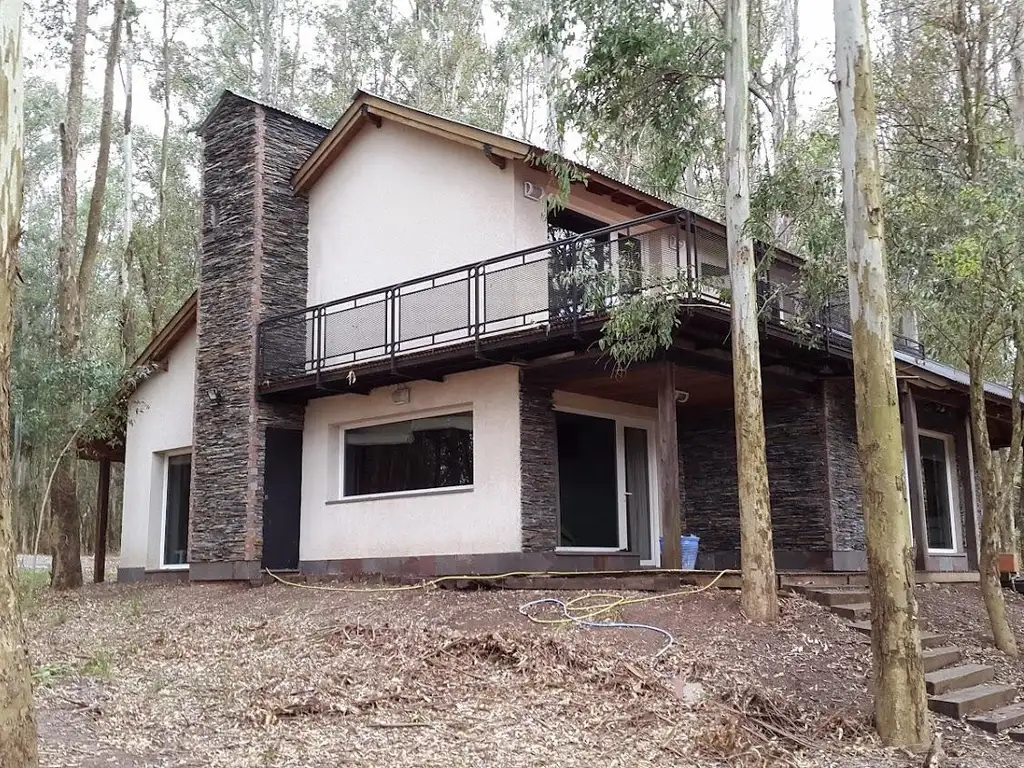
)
(218, 675)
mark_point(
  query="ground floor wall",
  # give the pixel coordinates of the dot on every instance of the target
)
(159, 427)
(480, 518)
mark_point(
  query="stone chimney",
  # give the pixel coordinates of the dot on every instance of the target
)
(253, 264)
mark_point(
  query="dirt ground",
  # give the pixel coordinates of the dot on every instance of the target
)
(227, 675)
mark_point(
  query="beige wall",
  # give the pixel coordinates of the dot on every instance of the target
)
(399, 203)
(159, 421)
(484, 519)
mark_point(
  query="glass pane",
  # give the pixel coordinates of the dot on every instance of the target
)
(434, 452)
(638, 503)
(588, 508)
(179, 476)
(934, 473)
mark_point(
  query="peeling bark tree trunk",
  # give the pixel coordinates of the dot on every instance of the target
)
(127, 328)
(759, 599)
(1017, 57)
(17, 721)
(901, 713)
(75, 287)
(999, 476)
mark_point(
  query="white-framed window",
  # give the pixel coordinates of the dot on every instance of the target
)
(431, 452)
(174, 518)
(939, 480)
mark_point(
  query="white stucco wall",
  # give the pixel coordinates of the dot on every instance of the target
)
(485, 519)
(160, 416)
(400, 203)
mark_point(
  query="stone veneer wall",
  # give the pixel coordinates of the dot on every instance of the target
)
(843, 467)
(252, 264)
(539, 468)
(797, 477)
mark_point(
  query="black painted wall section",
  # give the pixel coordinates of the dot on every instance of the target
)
(252, 264)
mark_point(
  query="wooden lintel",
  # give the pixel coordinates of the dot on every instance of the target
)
(668, 468)
(598, 188)
(367, 114)
(621, 198)
(497, 160)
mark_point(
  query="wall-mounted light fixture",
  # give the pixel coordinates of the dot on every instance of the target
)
(400, 395)
(682, 395)
(214, 395)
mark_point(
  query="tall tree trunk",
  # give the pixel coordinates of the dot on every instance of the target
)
(66, 536)
(65, 523)
(999, 476)
(901, 712)
(267, 50)
(792, 66)
(1017, 57)
(759, 599)
(151, 282)
(127, 329)
(17, 718)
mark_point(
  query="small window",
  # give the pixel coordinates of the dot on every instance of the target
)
(179, 474)
(432, 452)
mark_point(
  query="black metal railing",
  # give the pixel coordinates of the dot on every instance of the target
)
(554, 285)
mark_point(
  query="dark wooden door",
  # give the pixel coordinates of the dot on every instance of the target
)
(282, 494)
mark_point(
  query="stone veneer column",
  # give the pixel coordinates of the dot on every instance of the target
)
(538, 462)
(844, 476)
(253, 264)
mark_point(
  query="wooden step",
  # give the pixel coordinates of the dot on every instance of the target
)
(999, 720)
(833, 597)
(969, 701)
(954, 678)
(1017, 736)
(855, 611)
(943, 656)
(928, 639)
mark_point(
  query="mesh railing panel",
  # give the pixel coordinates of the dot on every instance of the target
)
(347, 332)
(434, 311)
(517, 291)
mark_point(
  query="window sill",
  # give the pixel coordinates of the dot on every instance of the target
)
(174, 567)
(401, 494)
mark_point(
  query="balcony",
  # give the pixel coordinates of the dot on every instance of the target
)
(552, 290)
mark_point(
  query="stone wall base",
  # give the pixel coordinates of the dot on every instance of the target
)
(227, 570)
(137, 575)
(456, 565)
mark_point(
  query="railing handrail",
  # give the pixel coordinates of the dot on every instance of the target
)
(675, 212)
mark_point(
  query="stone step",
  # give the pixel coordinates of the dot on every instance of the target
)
(969, 701)
(928, 639)
(943, 656)
(855, 611)
(954, 678)
(1017, 736)
(838, 596)
(999, 720)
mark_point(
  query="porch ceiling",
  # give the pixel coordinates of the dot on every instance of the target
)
(639, 385)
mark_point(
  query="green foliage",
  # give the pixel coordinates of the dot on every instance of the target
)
(565, 173)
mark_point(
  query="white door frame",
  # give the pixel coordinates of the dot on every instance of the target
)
(953, 505)
(166, 460)
(621, 422)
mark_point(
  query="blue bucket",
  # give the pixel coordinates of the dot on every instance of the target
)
(689, 546)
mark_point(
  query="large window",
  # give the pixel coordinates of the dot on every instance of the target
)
(432, 452)
(175, 539)
(936, 474)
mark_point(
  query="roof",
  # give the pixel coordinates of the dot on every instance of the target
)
(227, 95)
(953, 375)
(174, 330)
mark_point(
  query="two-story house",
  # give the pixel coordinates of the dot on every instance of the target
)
(385, 369)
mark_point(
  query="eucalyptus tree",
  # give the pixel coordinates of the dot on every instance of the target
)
(901, 709)
(17, 719)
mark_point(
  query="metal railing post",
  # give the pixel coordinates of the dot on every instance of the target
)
(391, 334)
(479, 301)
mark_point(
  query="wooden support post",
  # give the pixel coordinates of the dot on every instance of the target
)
(965, 464)
(668, 468)
(102, 512)
(912, 449)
